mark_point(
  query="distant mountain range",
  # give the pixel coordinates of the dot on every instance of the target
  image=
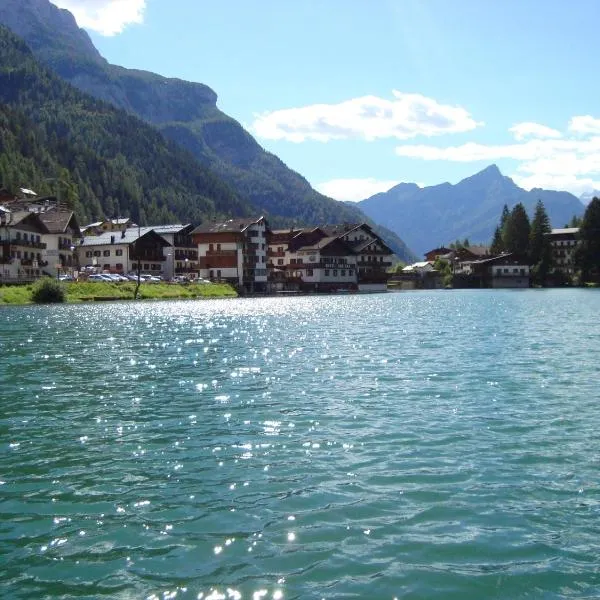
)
(438, 215)
(184, 112)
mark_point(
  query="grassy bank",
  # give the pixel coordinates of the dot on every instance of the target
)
(98, 290)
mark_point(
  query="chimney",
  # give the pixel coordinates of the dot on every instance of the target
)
(112, 239)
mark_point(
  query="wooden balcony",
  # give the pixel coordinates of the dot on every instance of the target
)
(221, 253)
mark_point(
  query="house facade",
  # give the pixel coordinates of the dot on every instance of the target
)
(373, 255)
(120, 252)
(23, 249)
(181, 255)
(503, 271)
(564, 243)
(234, 250)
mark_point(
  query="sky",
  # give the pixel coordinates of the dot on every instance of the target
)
(359, 95)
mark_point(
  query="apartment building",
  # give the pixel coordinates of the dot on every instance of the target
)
(234, 250)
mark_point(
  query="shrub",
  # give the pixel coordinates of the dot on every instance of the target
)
(47, 291)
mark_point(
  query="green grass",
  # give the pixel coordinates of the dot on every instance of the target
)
(89, 291)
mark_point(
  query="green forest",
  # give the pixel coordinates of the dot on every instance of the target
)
(101, 161)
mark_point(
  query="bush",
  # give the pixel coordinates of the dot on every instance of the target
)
(47, 291)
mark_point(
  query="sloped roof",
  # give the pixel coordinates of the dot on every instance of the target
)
(128, 236)
(17, 217)
(230, 225)
(565, 231)
(57, 221)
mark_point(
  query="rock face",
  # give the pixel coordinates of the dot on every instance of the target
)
(433, 216)
(183, 111)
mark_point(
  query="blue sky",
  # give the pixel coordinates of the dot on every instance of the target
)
(358, 95)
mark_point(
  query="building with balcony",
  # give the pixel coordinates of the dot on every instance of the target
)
(23, 249)
(121, 252)
(564, 242)
(61, 240)
(234, 250)
(373, 255)
(310, 260)
(182, 254)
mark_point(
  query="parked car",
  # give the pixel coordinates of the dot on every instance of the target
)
(99, 277)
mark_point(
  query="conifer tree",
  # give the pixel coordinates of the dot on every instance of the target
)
(587, 255)
(516, 231)
(540, 249)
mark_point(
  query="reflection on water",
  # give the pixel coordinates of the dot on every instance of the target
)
(432, 444)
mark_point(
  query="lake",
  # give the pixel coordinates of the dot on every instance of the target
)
(440, 444)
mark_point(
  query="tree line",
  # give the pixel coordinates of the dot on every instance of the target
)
(530, 240)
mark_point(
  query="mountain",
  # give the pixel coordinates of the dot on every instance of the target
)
(184, 112)
(100, 160)
(436, 215)
(588, 196)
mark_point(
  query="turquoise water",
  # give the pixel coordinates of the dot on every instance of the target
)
(410, 445)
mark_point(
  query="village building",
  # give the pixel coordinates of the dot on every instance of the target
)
(120, 252)
(181, 254)
(310, 260)
(234, 250)
(63, 235)
(39, 238)
(432, 255)
(373, 255)
(22, 246)
(503, 271)
(564, 242)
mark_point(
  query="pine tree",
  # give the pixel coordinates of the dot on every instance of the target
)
(516, 231)
(497, 246)
(587, 256)
(540, 249)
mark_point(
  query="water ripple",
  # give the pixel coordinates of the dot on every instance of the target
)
(431, 444)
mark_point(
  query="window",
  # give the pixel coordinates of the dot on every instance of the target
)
(350, 272)
(218, 247)
(25, 237)
(210, 249)
(18, 235)
(96, 252)
(279, 248)
(309, 272)
(335, 272)
(219, 274)
(280, 261)
(343, 272)
(212, 274)
(88, 253)
(146, 266)
(326, 272)
(119, 267)
(119, 252)
(106, 253)
(107, 267)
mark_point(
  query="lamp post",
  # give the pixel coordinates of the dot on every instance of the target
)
(186, 268)
(73, 261)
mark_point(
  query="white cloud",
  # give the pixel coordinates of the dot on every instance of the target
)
(522, 131)
(354, 189)
(108, 17)
(565, 163)
(403, 117)
(584, 124)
